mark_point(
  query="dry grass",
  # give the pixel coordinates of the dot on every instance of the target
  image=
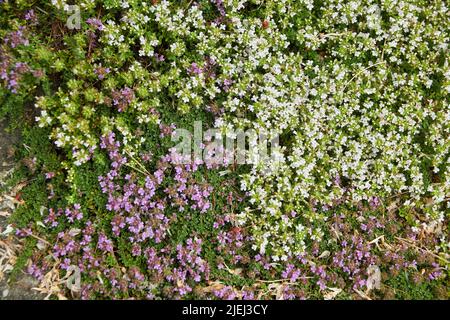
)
(9, 248)
(52, 284)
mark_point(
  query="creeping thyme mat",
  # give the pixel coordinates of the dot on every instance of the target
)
(350, 201)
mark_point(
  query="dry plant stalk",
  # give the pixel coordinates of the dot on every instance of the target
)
(8, 255)
(52, 284)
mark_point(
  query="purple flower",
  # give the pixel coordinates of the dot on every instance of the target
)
(24, 232)
(74, 213)
(96, 23)
(104, 243)
(225, 293)
(101, 72)
(160, 57)
(35, 271)
(49, 175)
(166, 130)
(66, 263)
(31, 16)
(16, 38)
(220, 7)
(122, 98)
(195, 69)
(52, 218)
(227, 84)
(374, 202)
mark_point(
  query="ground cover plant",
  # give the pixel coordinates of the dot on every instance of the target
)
(351, 203)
